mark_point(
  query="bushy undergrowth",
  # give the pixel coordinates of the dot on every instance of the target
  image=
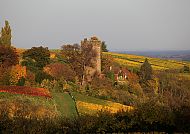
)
(127, 93)
(148, 117)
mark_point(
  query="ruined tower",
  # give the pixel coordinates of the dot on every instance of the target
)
(97, 48)
(96, 45)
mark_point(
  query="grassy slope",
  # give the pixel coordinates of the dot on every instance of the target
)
(89, 99)
(135, 61)
(65, 104)
(33, 99)
(91, 105)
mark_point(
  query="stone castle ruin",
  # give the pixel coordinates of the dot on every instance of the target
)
(96, 61)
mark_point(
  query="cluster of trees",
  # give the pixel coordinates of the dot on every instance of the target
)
(36, 59)
(167, 93)
(8, 57)
(11, 72)
(76, 59)
(79, 57)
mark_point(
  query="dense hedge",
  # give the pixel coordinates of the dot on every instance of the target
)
(143, 119)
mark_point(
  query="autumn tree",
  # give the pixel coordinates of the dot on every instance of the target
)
(59, 70)
(5, 36)
(134, 85)
(79, 57)
(106, 62)
(17, 73)
(8, 56)
(30, 78)
(4, 76)
(72, 55)
(41, 75)
(104, 47)
(36, 58)
(146, 70)
(174, 88)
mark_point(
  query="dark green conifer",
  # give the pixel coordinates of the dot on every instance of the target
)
(146, 70)
(104, 47)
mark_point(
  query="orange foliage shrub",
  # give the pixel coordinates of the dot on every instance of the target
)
(19, 51)
(16, 73)
(132, 77)
(58, 70)
(133, 81)
(30, 78)
(52, 55)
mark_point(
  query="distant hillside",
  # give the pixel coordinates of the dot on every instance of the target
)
(160, 60)
(183, 55)
(134, 61)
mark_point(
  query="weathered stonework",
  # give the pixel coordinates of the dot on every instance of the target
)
(96, 69)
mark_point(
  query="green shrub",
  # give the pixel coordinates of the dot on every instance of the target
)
(40, 76)
(186, 69)
(21, 82)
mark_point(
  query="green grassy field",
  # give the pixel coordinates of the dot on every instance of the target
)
(88, 99)
(65, 104)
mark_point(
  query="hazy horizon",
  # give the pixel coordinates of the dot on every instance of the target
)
(132, 25)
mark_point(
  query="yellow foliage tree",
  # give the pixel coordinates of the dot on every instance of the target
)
(16, 73)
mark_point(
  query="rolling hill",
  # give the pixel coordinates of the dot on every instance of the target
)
(66, 106)
(134, 61)
(91, 105)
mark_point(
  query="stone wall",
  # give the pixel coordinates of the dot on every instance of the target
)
(96, 43)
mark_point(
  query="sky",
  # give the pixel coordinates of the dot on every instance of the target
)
(122, 24)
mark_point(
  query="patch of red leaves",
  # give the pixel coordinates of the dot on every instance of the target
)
(26, 90)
